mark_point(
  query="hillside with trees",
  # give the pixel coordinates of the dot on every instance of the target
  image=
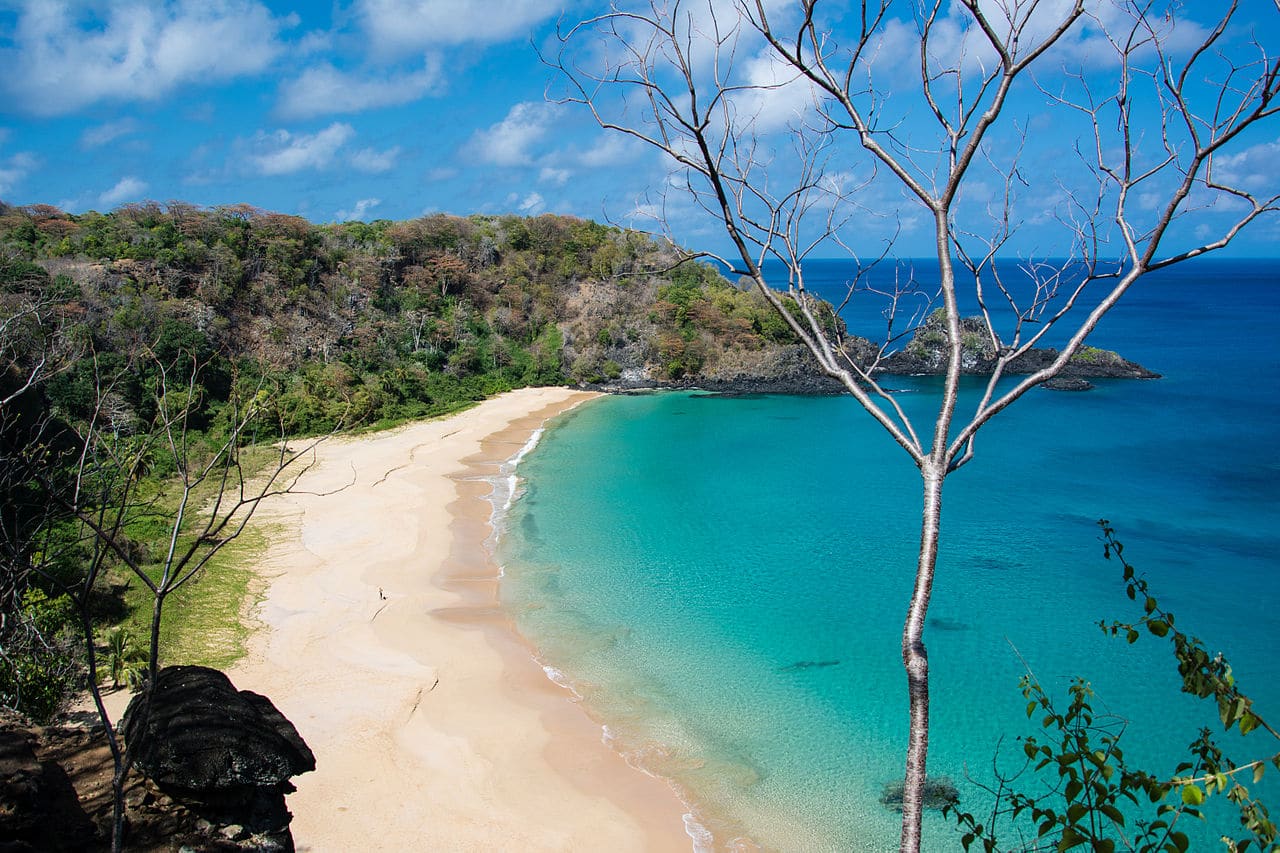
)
(366, 322)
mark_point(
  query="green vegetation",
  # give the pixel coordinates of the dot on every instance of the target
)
(1094, 355)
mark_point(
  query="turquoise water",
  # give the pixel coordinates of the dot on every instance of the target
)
(724, 579)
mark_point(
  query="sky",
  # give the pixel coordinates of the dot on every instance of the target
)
(364, 109)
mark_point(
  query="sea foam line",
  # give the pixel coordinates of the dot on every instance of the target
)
(505, 491)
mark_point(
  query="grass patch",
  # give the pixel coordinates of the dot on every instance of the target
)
(204, 621)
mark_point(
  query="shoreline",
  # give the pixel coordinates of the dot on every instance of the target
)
(381, 637)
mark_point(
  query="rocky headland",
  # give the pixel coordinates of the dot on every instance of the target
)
(790, 369)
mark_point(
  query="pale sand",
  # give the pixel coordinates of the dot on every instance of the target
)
(432, 725)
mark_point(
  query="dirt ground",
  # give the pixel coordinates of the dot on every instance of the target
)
(56, 796)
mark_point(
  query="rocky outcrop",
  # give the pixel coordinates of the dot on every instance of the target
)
(227, 755)
(926, 355)
(790, 369)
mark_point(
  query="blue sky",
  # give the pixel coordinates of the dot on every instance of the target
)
(358, 109)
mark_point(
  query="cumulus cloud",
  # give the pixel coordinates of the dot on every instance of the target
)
(358, 211)
(324, 90)
(283, 153)
(14, 170)
(371, 160)
(550, 175)
(127, 189)
(1254, 168)
(400, 26)
(102, 134)
(532, 204)
(956, 41)
(510, 141)
(613, 150)
(775, 95)
(62, 57)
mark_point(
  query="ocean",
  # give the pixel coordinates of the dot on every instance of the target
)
(723, 579)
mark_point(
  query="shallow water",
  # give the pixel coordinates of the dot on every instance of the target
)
(724, 579)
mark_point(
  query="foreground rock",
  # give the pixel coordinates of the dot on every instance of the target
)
(227, 755)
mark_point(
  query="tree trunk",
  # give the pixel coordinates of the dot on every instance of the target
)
(916, 659)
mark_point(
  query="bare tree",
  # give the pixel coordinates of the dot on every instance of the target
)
(1155, 112)
(92, 473)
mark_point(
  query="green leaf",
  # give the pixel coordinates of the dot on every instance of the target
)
(1258, 771)
(1158, 627)
(1112, 812)
(1070, 838)
(1192, 795)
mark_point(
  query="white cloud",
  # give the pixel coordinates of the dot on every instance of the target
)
(15, 169)
(127, 189)
(400, 26)
(370, 160)
(324, 90)
(550, 175)
(1253, 169)
(530, 205)
(282, 153)
(96, 137)
(955, 40)
(64, 57)
(509, 142)
(776, 96)
(612, 150)
(358, 210)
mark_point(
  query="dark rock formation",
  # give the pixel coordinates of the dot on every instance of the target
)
(791, 369)
(227, 755)
(926, 354)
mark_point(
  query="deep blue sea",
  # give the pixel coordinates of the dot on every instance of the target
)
(723, 580)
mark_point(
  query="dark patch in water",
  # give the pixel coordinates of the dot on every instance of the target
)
(808, 664)
(990, 563)
(529, 529)
(944, 624)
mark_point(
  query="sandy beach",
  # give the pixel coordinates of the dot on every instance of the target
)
(381, 638)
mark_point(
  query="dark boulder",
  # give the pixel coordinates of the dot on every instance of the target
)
(227, 755)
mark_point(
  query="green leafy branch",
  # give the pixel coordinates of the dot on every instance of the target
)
(1094, 799)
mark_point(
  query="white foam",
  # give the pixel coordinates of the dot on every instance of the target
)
(560, 679)
(529, 445)
(703, 840)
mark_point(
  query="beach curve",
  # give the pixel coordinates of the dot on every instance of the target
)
(382, 640)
